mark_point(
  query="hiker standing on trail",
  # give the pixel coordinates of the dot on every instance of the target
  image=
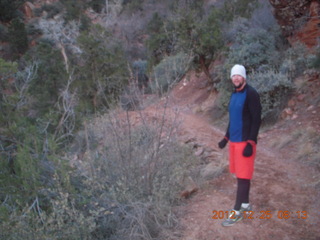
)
(242, 132)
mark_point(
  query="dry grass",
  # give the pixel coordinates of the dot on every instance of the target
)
(305, 141)
(284, 140)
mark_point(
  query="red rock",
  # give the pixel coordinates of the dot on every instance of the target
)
(291, 103)
(301, 97)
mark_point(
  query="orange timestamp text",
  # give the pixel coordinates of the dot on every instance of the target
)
(281, 214)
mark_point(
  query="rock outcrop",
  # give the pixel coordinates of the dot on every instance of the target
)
(299, 20)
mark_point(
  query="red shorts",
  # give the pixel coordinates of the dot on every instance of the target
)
(241, 166)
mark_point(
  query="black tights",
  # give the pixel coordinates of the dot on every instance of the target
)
(242, 192)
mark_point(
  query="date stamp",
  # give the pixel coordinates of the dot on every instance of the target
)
(280, 214)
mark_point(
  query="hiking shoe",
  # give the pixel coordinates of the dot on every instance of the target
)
(247, 209)
(232, 219)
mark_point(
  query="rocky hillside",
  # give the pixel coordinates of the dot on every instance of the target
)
(130, 166)
(299, 19)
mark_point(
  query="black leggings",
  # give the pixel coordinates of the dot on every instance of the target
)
(242, 192)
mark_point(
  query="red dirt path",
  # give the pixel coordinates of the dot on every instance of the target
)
(280, 183)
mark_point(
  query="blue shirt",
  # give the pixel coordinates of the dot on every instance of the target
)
(244, 115)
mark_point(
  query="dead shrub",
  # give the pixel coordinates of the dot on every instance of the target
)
(139, 165)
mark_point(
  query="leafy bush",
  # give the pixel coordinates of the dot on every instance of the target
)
(61, 220)
(51, 9)
(255, 41)
(33, 29)
(297, 59)
(169, 71)
(34, 185)
(263, 17)
(237, 8)
(274, 89)
(254, 48)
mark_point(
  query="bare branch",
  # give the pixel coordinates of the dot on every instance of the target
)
(66, 104)
(23, 81)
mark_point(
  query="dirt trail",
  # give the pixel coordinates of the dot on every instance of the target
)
(280, 185)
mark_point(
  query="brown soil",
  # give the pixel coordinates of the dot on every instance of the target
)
(281, 182)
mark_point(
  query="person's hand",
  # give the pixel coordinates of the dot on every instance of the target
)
(248, 150)
(223, 143)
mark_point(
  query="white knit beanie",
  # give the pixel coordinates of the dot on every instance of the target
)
(238, 70)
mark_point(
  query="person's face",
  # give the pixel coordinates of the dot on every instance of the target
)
(238, 81)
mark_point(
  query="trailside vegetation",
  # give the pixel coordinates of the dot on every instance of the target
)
(75, 166)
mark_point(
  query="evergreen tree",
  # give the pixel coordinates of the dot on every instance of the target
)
(103, 70)
(160, 42)
(201, 35)
(50, 78)
(18, 37)
(9, 9)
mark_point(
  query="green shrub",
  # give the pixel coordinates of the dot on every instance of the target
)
(316, 61)
(274, 89)
(8, 71)
(103, 71)
(51, 9)
(18, 37)
(159, 42)
(85, 23)
(254, 44)
(74, 9)
(139, 69)
(3, 33)
(297, 59)
(33, 29)
(97, 5)
(255, 41)
(237, 8)
(169, 72)
(49, 79)
(254, 48)
(9, 9)
(133, 5)
(64, 221)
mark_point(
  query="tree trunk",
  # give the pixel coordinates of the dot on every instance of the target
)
(205, 68)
